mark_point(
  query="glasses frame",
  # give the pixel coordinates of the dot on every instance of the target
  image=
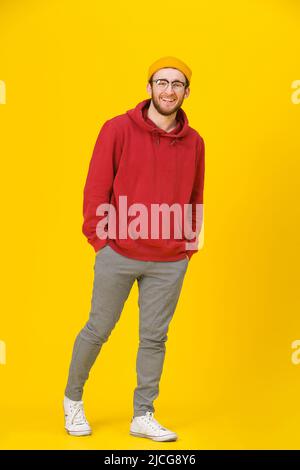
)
(174, 81)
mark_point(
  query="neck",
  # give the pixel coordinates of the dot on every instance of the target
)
(167, 123)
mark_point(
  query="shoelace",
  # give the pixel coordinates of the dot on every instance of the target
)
(149, 418)
(77, 416)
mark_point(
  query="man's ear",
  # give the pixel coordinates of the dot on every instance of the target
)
(149, 89)
(187, 92)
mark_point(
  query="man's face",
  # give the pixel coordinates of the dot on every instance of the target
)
(169, 100)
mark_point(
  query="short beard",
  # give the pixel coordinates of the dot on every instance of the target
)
(161, 111)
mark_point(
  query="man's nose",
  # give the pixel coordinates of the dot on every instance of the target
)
(171, 88)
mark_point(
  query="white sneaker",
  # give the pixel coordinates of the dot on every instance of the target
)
(147, 426)
(76, 423)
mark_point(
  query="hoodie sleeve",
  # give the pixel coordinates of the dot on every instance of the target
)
(197, 196)
(99, 182)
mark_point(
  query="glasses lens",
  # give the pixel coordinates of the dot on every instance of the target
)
(177, 85)
(162, 83)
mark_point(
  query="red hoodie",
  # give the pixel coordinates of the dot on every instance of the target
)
(133, 157)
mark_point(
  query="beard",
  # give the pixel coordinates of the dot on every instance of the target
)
(164, 111)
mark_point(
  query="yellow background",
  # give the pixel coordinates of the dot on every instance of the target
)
(228, 380)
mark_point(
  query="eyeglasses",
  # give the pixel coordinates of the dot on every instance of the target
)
(163, 83)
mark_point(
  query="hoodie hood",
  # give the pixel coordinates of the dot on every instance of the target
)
(139, 116)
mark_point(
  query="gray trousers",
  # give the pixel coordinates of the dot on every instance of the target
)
(159, 286)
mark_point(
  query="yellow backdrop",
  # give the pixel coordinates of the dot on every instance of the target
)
(230, 380)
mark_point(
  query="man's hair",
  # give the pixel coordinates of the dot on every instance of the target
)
(186, 86)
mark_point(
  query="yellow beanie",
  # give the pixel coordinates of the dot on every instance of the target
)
(170, 62)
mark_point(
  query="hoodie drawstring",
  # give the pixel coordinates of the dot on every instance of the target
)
(156, 136)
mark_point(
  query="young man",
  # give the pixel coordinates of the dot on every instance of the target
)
(150, 157)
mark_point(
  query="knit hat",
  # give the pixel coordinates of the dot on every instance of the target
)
(170, 62)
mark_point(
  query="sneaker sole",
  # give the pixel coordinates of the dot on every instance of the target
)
(154, 438)
(78, 433)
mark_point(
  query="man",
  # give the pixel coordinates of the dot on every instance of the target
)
(150, 156)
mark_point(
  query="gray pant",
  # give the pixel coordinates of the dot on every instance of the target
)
(159, 284)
